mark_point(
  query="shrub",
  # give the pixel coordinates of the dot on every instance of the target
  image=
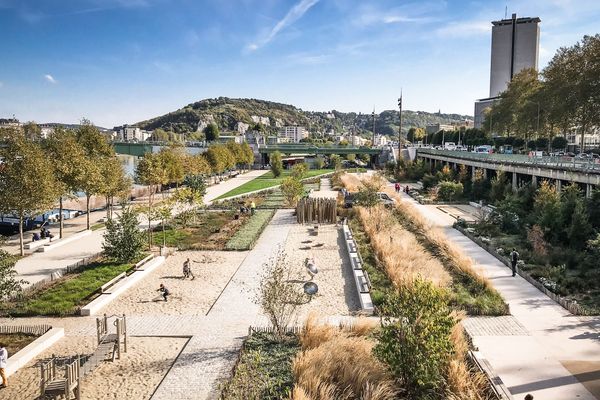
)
(8, 283)
(276, 164)
(450, 191)
(429, 181)
(123, 240)
(414, 340)
(535, 237)
(292, 189)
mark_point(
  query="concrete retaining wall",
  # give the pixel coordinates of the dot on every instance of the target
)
(363, 286)
(33, 349)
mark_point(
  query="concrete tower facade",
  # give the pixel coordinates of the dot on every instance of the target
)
(515, 46)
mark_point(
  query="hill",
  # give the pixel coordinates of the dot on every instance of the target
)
(228, 113)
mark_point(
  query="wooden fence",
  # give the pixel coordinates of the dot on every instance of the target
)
(269, 329)
(314, 210)
(36, 330)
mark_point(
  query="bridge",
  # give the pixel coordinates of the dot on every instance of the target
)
(138, 149)
(524, 169)
(307, 148)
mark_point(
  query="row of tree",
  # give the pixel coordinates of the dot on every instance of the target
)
(565, 96)
(35, 175)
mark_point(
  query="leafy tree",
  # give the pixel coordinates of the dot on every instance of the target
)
(28, 186)
(414, 340)
(116, 184)
(593, 208)
(123, 240)
(292, 189)
(196, 184)
(173, 165)
(150, 172)
(546, 210)
(248, 155)
(160, 135)
(480, 187)
(211, 132)
(319, 162)
(276, 164)
(450, 191)
(336, 161)
(499, 187)
(8, 282)
(98, 152)
(569, 198)
(559, 143)
(580, 228)
(367, 195)
(70, 162)
(32, 131)
(299, 171)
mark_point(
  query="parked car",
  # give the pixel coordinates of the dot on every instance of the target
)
(486, 148)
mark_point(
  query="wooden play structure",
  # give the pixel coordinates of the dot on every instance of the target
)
(109, 346)
(316, 210)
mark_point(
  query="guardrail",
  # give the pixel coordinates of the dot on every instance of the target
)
(554, 162)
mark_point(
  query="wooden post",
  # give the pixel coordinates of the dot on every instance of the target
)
(118, 338)
(43, 380)
(78, 390)
(125, 334)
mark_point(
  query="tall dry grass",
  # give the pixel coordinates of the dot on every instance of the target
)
(337, 363)
(402, 256)
(351, 182)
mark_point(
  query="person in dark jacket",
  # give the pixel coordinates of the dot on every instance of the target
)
(514, 258)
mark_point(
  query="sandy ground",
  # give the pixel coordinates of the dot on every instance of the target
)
(133, 377)
(337, 292)
(212, 271)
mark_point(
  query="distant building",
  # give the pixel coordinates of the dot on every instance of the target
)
(129, 133)
(9, 122)
(380, 141)
(515, 46)
(294, 133)
(590, 140)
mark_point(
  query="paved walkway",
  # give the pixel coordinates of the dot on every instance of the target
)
(541, 349)
(39, 266)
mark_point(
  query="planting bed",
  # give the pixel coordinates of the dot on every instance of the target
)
(16, 341)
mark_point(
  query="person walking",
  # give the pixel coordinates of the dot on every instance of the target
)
(514, 258)
(3, 362)
(187, 270)
(165, 292)
(252, 207)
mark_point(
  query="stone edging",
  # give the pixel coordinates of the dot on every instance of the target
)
(569, 305)
(104, 299)
(360, 275)
(500, 390)
(33, 349)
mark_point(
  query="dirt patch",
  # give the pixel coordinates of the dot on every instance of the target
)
(16, 341)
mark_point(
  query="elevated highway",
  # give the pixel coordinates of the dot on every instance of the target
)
(522, 168)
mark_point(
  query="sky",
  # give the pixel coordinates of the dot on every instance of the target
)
(123, 61)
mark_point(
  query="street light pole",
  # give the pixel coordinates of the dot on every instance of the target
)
(400, 124)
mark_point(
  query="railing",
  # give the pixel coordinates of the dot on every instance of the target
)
(554, 162)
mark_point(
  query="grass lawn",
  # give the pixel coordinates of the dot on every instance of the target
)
(268, 180)
(65, 296)
(264, 370)
(210, 231)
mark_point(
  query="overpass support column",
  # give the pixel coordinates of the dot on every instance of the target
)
(473, 170)
(515, 183)
(534, 181)
(558, 185)
(485, 174)
(588, 190)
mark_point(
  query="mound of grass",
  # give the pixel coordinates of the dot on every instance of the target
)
(264, 370)
(268, 180)
(67, 295)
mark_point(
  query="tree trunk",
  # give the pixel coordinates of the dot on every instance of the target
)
(163, 231)
(21, 235)
(107, 208)
(150, 219)
(87, 207)
(60, 211)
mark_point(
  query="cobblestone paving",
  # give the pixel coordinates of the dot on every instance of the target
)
(494, 326)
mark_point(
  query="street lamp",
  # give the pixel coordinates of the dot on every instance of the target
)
(400, 124)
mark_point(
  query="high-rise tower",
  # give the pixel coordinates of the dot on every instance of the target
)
(515, 46)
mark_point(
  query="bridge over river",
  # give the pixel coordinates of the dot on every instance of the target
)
(522, 168)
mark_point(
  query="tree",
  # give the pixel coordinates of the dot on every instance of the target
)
(280, 296)
(248, 155)
(172, 162)
(546, 210)
(32, 131)
(368, 194)
(336, 161)
(414, 340)
(116, 183)
(8, 283)
(98, 151)
(196, 184)
(70, 162)
(499, 187)
(292, 189)
(276, 164)
(580, 228)
(211, 132)
(28, 186)
(160, 135)
(559, 143)
(319, 162)
(299, 171)
(150, 172)
(123, 240)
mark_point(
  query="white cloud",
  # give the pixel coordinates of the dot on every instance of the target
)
(50, 78)
(294, 14)
(465, 29)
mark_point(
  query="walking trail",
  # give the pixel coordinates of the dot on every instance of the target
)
(39, 266)
(541, 348)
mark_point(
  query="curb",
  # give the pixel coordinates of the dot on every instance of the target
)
(104, 299)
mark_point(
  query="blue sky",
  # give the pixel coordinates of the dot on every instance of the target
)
(122, 61)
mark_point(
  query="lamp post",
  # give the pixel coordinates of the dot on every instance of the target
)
(400, 124)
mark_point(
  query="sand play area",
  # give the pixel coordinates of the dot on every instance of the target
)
(212, 271)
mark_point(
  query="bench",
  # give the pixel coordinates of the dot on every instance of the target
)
(36, 244)
(110, 283)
